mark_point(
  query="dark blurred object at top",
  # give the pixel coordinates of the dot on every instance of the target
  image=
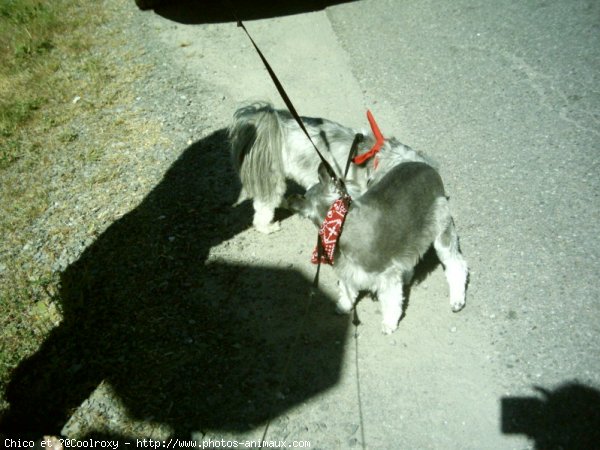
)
(147, 4)
(214, 11)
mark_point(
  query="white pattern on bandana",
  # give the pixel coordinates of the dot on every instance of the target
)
(331, 229)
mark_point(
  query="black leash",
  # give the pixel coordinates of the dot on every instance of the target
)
(356, 323)
(358, 138)
(289, 104)
(341, 186)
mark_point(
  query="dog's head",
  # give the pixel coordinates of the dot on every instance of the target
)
(318, 198)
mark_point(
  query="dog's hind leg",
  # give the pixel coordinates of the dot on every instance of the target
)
(263, 216)
(392, 300)
(455, 266)
(265, 201)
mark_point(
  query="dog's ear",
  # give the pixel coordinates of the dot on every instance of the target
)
(324, 177)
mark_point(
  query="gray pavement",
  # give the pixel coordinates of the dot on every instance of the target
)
(504, 95)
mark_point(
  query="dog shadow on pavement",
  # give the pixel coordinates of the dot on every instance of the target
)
(183, 339)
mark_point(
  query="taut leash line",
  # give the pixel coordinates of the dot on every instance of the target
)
(287, 101)
(341, 186)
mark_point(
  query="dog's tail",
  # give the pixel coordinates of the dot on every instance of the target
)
(256, 139)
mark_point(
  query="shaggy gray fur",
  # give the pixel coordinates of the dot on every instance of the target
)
(269, 147)
(387, 230)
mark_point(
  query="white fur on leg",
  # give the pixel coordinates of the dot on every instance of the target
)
(346, 299)
(263, 217)
(391, 300)
(455, 267)
(456, 275)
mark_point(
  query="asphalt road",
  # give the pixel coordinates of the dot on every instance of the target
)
(505, 96)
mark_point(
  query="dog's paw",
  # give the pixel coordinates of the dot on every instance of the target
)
(268, 228)
(457, 304)
(387, 328)
(343, 306)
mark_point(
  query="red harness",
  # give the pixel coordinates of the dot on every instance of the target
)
(379, 139)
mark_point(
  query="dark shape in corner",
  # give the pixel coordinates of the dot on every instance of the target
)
(566, 418)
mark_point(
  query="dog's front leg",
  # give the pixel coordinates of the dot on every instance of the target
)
(347, 297)
(392, 300)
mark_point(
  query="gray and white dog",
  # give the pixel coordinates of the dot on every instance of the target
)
(388, 228)
(268, 148)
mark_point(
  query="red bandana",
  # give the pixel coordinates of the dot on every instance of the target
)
(379, 139)
(331, 229)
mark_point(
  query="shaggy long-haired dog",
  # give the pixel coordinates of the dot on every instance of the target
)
(269, 147)
(386, 231)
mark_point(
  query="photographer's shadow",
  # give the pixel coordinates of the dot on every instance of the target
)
(183, 340)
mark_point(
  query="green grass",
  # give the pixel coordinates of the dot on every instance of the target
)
(54, 151)
(36, 39)
(44, 49)
(27, 31)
